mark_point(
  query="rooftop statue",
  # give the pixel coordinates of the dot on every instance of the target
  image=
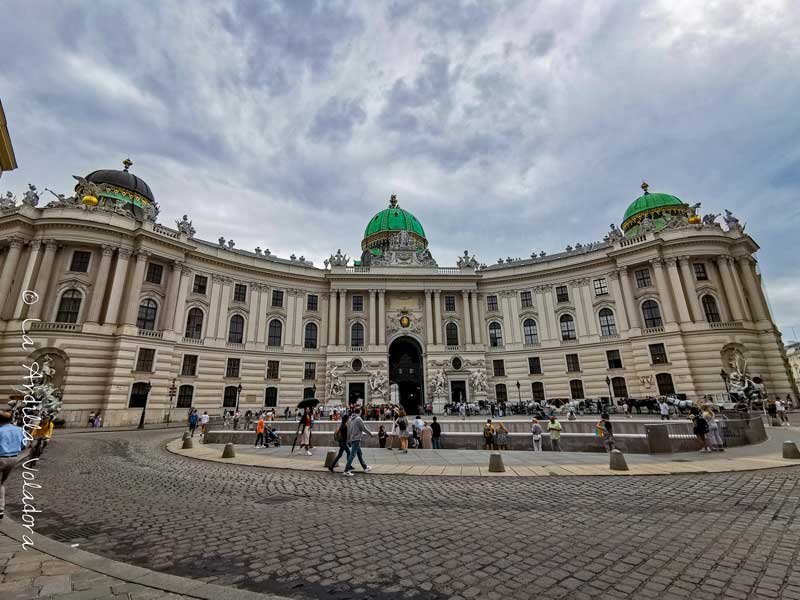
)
(614, 234)
(467, 262)
(732, 222)
(338, 259)
(693, 209)
(231, 244)
(8, 201)
(31, 198)
(258, 250)
(185, 226)
(710, 220)
(221, 241)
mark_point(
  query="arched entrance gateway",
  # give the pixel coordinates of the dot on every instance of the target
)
(406, 372)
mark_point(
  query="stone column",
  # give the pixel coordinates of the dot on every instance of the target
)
(478, 322)
(508, 325)
(619, 302)
(739, 287)
(43, 278)
(117, 285)
(298, 317)
(323, 311)
(550, 312)
(467, 319)
(132, 305)
(27, 277)
(516, 308)
(541, 314)
(213, 306)
(677, 288)
(759, 307)
(730, 292)
(429, 318)
(167, 310)
(715, 277)
(332, 308)
(437, 316)
(264, 293)
(178, 322)
(588, 308)
(224, 302)
(628, 299)
(9, 268)
(373, 317)
(291, 315)
(254, 310)
(382, 317)
(696, 311)
(663, 290)
(580, 313)
(342, 317)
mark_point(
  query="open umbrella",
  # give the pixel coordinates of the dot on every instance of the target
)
(305, 403)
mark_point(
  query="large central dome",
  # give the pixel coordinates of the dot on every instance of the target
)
(390, 221)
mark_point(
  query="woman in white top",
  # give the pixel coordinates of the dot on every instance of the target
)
(391, 436)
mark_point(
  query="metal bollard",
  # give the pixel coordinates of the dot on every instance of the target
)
(496, 463)
(229, 451)
(617, 462)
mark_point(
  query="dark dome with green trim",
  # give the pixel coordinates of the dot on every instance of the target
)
(390, 221)
(656, 207)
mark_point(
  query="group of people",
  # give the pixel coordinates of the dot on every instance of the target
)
(95, 420)
(196, 419)
(707, 428)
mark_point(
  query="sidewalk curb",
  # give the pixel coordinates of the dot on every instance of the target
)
(130, 573)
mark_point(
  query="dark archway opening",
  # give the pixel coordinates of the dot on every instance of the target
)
(405, 370)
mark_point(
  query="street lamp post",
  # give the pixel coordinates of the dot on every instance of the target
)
(238, 394)
(144, 406)
(610, 393)
(519, 395)
(172, 391)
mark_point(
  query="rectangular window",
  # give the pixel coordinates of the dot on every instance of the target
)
(312, 302)
(534, 365)
(310, 370)
(600, 287)
(614, 359)
(499, 368)
(189, 366)
(526, 299)
(277, 298)
(658, 354)
(232, 367)
(273, 369)
(185, 394)
(80, 261)
(491, 303)
(358, 303)
(144, 362)
(154, 273)
(700, 272)
(450, 303)
(562, 293)
(240, 293)
(271, 397)
(200, 284)
(643, 278)
(573, 363)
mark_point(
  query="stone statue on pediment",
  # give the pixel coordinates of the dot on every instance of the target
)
(30, 197)
(8, 201)
(185, 226)
(732, 222)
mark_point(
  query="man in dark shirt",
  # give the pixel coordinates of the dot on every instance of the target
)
(436, 439)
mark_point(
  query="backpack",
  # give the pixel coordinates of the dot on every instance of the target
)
(402, 424)
(600, 431)
(337, 435)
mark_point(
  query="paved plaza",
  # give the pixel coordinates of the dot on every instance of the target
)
(304, 534)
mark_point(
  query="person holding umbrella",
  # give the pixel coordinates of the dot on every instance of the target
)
(305, 425)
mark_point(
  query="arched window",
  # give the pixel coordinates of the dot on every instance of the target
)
(500, 392)
(619, 387)
(271, 397)
(229, 397)
(576, 389)
(310, 338)
(308, 392)
(537, 388)
(147, 315)
(495, 334)
(608, 326)
(451, 334)
(69, 306)
(275, 333)
(357, 335)
(567, 327)
(710, 308)
(194, 324)
(530, 332)
(139, 393)
(236, 329)
(652, 314)
(185, 396)
(665, 385)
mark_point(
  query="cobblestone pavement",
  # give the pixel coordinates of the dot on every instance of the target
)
(309, 535)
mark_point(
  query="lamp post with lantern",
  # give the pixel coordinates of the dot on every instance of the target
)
(172, 391)
(610, 393)
(238, 394)
(148, 387)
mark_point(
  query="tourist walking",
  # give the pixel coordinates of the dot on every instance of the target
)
(606, 431)
(700, 429)
(248, 419)
(355, 433)
(98, 420)
(306, 424)
(426, 436)
(41, 436)
(626, 409)
(402, 430)
(193, 418)
(12, 452)
(418, 425)
(391, 436)
(780, 407)
(663, 408)
(90, 422)
(340, 437)
(554, 429)
(488, 435)
(381, 437)
(436, 438)
(260, 426)
(714, 432)
(536, 435)
(501, 436)
(204, 419)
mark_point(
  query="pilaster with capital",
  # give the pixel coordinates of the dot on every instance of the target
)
(739, 287)
(437, 316)
(580, 311)
(264, 297)
(678, 290)
(291, 315)
(213, 306)
(342, 317)
(323, 317)
(467, 319)
(34, 251)
(586, 296)
(541, 311)
(477, 321)
(723, 264)
(117, 286)
(9, 268)
(132, 305)
(757, 303)
(373, 317)
(332, 310)
(44, 277)
(663, 290)
(171, 295)
(382, 317)
(695, 311)
(429, 318)
(185, 274)
(254, 311)
(628, 300)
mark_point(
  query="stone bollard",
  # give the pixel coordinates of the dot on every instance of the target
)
(790, 450)
(329, 458)
(616, 461)
(496, 463)
(186, 434)
(187, 443)
(229, 451)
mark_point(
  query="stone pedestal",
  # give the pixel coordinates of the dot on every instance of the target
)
(616, 461)
(329, 458)
(229, 451)
(496, 463)
(187, 443)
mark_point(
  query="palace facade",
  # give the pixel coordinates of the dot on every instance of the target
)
(138, 317)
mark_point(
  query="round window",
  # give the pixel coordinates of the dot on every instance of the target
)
(456, 363)
(356, 364)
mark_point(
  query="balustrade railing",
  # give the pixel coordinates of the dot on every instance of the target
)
(356, 348)
(569, 342)
(651, 330)
(633, 241)
(235, 345)
(194, 341)
(53, 326)
(726, 325)
(150, 333)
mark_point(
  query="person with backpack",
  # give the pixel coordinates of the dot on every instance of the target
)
(193, 421)
(700, 429)
(402, 430)
(340, 437)
(488, 435)
(355, 433)
(606, 431)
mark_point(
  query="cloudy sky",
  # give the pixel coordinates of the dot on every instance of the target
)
(505, 127)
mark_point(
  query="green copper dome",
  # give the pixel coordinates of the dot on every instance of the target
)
(653, 205)
(389, 221)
